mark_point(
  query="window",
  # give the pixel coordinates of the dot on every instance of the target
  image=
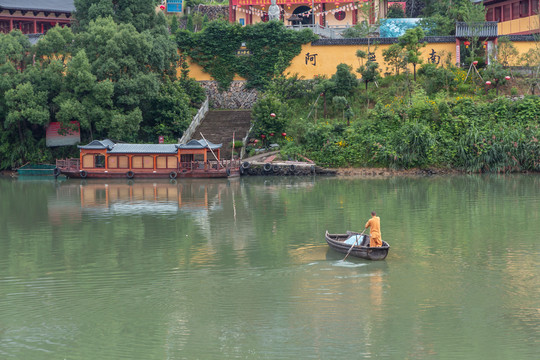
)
(100, 161)
(88, 161)
(534, 7)
(136, 162)
(117, 162)
(497, 14)
(506, 13)
(166, 162)
(489, 15)
(524, 8)
(515, 10)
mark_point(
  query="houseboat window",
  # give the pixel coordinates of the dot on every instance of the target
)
(166, 162)
(88, 161)
(142, 162)
(198, 157)
(136, 162)
(172, 162)
(117, 162)
(100, 161)
(112, 162)
(186, 158)
(148, 162)
(123, 162)
(534, 7)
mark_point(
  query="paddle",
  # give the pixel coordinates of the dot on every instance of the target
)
(348, 252)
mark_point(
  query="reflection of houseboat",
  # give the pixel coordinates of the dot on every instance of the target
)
(106, 159)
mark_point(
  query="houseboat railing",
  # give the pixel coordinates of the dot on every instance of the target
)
(194, 123)
(68, 164)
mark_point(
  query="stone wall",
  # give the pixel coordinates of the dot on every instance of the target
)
(236, 97)
(212, 12)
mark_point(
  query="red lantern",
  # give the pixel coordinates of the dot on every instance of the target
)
(507, 77)
(485, 44)
(255, 141)
(475, 63)
(271, 134)
(467, 43)
(283, 134)
(488, 82)
(263, 136)
(162, 7)
(273, 115)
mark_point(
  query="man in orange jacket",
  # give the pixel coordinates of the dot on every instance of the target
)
(375, 224)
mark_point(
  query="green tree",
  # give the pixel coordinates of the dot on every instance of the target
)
(25, 108)
(394, 56)
(496, 73)
(139, 13)
(56, 43)
(345, 82)
(264, 122)
(395, 11)
(411, 41)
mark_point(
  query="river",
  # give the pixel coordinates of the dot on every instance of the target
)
(239, 269)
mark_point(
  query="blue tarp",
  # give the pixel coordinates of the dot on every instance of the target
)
(353, 238)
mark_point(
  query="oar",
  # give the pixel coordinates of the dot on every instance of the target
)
(348, 252)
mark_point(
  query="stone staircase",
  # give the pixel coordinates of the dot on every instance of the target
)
(218, 127)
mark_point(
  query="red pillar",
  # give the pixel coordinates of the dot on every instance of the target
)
(355, 16)
(231, 13)
(322, 17)
(10, 24)
(35, 26)
(42, 28)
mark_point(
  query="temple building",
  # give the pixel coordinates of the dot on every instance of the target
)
(326, 13)
(514, 17)
(34, 16)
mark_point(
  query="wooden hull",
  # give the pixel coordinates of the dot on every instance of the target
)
(202, 174)
(336, 242)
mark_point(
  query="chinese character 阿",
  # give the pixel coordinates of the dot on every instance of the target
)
(311, 58)
(434, 58)
(371, 56)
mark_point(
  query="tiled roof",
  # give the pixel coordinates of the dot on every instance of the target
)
(98, 145)
(198, 144)
(143, 149)
(44, 5)
(380, 41)
(482, 29)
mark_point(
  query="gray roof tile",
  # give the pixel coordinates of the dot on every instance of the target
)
(198, 144)
(46, 5)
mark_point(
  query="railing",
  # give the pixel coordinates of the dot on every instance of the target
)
(194, 123)
(68, 164)
(326, 32)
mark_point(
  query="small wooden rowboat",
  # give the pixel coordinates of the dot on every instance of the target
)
(362, 250)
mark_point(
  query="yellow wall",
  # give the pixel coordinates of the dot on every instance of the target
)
(322, 60)
(517, 26)
(328, 57)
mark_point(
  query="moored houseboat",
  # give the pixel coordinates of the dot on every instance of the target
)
(107, 159)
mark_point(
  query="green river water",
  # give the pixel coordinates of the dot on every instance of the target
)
(239, 269)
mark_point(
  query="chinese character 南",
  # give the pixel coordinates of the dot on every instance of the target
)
(311, 58)
(434, 58)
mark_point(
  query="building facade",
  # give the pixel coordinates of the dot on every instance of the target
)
(514, 17)
(34, 16)
(328, 13)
